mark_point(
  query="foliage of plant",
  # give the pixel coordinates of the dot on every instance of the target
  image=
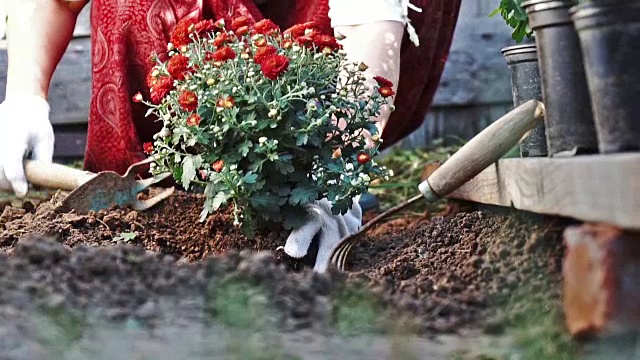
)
(516, 17)
(265, 120)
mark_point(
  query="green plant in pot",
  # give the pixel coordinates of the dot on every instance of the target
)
(522, 60)
(516, 17)
(609, 32)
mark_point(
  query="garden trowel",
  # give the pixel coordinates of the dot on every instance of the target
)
(96, 191)
(484, 149)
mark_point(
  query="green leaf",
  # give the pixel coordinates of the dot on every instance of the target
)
(250, 178)
(302, 139)
(219, 200)
(190, 164)
(245, 147)
(303, 194)
(126, 237)
(267, 202)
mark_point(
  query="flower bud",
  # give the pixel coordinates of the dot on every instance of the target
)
(337, 153)
(363, 67)
(244, 56)
(137, 97)
(210, 82)
(170, 47)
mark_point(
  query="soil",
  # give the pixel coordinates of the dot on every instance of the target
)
(441, 274)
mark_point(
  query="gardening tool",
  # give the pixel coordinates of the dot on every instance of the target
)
(479, 153)
(91, 191)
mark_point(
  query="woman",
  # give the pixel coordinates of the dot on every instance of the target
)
(126, 32)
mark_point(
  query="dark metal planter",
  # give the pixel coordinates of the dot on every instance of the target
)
(610, 39)
(570, 128)
(525, 85)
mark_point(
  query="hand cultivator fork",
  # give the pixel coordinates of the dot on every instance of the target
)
(479, 153)
(90, 191)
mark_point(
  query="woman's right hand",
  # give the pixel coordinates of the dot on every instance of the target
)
(24, 128)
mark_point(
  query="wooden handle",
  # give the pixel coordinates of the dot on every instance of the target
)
(55, 176)
(483, 150)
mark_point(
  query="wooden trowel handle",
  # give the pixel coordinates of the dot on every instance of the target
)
(483, 150)
(55, 176)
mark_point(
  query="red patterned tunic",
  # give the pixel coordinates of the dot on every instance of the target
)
(126, 32)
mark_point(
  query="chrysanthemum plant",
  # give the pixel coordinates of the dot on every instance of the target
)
(265, 120)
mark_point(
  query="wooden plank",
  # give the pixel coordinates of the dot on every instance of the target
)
(598, 188)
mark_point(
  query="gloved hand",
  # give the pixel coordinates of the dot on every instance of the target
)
(328, 228)
(24, 127)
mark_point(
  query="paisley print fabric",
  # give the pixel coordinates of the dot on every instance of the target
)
(126, 32)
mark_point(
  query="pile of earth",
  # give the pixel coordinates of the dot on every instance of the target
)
(439, 274)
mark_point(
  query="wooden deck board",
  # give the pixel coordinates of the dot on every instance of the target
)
(598, 188)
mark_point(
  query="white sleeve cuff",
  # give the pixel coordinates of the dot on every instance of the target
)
(358, 12)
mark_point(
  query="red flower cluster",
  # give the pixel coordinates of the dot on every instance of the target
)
(186, 27)
(307, 35)
(188, 101)
(161, 89)
(223, 54)
(274, 66)
(147, 147)
(240, 25)
(221, 39)
(177, 66)
(323, 41)
(264, 53)
(299, 30)
(384, 86)
(193, 120)
(265, 27)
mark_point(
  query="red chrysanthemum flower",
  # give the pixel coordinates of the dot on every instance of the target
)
(386, 91)
(208, 56)
(242, 31)
(265, 27)
(382, 82)
(161, 89)
(185, 27)
(274, 66)
(326, 41)
(188, 101)
(221, 39)
(239, 22)
(218, 165)
(223, 54)
(193, 120)
(299, 30)
(263, 53)
(229, 102)
(204, 26)
(147, 147)
(178, 66)
(260, 42)
(180, 35)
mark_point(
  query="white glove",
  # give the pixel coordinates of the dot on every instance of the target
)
(24, 127)
(328, 228)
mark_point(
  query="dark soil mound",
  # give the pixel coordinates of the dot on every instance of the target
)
(449, 273)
